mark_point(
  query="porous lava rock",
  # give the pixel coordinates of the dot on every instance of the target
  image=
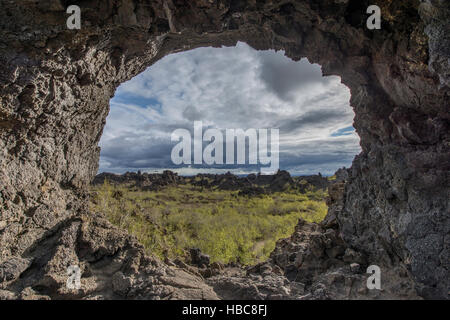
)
(55, 87)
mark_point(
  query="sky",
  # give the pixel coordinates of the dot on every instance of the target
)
(230, 88)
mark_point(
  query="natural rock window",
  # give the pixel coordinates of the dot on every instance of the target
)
(229, 87)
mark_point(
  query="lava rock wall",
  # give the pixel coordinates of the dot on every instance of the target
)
(55, 87)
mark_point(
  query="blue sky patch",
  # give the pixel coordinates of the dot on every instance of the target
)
(143, 102)
(343, 132)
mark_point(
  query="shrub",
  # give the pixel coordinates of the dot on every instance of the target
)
(228, 227)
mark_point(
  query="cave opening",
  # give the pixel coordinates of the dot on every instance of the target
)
(56, 85)
(229, 210)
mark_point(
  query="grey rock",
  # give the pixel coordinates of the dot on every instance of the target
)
(121, 284)
(55, 88)
(12, 268)
(198, 258)
(7, 295)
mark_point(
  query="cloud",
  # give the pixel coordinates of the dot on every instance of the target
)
(191, 113)
(313, 119)
(236, 87)
(286, 77)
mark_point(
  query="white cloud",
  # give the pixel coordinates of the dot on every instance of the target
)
(236, 87)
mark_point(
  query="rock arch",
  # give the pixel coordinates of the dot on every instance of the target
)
(55, 89)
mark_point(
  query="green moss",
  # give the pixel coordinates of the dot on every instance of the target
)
(222, 224)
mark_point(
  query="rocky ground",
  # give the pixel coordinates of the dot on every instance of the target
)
(314, 263)
(391, 206)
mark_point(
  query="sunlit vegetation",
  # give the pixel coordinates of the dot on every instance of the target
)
(224, 225)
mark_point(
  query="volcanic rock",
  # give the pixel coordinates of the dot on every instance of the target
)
(55, 88)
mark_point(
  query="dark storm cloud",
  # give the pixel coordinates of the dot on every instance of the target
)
(315, 118)
(285, 77)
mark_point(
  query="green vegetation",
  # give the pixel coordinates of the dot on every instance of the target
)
(228, 227)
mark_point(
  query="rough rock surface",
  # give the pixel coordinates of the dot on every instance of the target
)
(112, 263)
(55, 88)
(314, 263)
